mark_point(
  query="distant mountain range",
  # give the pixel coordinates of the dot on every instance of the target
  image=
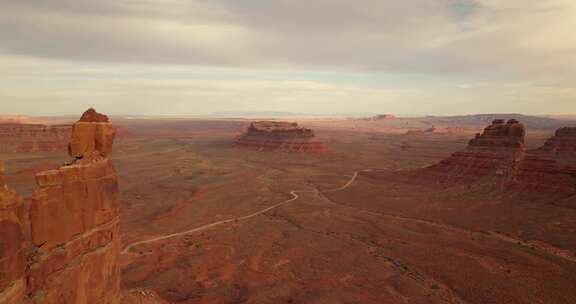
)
(263, 114)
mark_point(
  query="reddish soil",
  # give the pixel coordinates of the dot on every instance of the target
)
(204, 222)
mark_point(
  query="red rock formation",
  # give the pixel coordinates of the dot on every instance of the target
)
(563, 142)
(92, 116)
(23, 138)
(74, 219)
(498, 156)
(74, 228)
(538, 177)
(491, 153)
(12, 246)
(284, 136)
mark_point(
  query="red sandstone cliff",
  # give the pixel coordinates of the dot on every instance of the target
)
(12, 246)
(282, 136)
(73, 245)
(22, 138)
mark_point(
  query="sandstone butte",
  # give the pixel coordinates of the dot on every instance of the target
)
(23, 138)
(497, 157)
(64, 247)
(563, 142)
(280, 136)
(490, 153)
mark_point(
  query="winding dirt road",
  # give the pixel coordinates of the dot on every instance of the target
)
(537, 246)
(295, 196)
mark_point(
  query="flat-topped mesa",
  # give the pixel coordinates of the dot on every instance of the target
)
(563, 142)
(74, 219)
(279, 129)
(380, 117)
(92, 137)
(279, 135)
(12, 245)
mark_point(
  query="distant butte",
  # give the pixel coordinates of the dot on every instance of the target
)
(498, 156)
(381, 117)
(563, 142)
(281, 136)
(490, 153)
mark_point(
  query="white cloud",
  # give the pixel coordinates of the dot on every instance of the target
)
(91, 45)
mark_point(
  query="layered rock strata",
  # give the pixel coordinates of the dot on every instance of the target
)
(563, 142)
(491, 153)
(498, 156)
(74, 219)
(542, 178)
(73, 251)
(25, 138)
(283, 136)
(12, 245)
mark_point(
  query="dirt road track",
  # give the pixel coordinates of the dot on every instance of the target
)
(295, 196)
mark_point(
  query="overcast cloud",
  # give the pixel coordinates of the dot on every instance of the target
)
(201, 56)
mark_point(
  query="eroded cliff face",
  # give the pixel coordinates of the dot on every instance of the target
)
(73, 217)
(497, 157)
(25, 138)
(491, 153)
(12, 245)
(548, 172)
(281, 136)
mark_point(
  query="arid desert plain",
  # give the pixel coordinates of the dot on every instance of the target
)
(472, 209)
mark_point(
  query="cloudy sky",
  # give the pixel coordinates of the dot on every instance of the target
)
(409, 57)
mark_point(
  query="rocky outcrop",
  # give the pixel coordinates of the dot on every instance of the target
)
(12, 245)
(282, 136)
(563, 142)
(74, 218)
(73, 227)
(491, 153)
(497, 156)
(537, 177)
(25, 138)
